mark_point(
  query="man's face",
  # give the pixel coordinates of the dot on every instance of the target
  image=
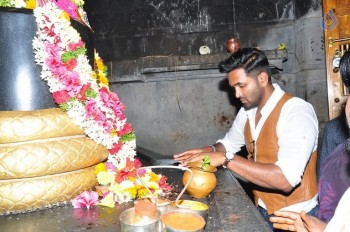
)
(247, 88)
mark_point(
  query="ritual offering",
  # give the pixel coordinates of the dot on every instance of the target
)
(145, 208)
(144, 217)
(193, 206)
(163, 204)
(139, 218)
(203, 181)
(182, 220)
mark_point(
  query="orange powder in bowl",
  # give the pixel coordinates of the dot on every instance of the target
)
(145, 208)
(182, 220)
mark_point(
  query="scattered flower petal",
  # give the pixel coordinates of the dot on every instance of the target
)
(85, 199)
(108, 200)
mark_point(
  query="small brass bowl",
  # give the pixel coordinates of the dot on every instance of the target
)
(193, 206)
(180, 220)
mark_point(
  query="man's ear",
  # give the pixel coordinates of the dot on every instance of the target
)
(263, 78)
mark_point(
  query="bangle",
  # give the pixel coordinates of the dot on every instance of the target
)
(213, 148)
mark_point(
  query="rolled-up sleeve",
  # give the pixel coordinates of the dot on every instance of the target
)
(297, 132)
(234, 138)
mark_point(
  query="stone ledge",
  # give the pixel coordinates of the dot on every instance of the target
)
(157, 68)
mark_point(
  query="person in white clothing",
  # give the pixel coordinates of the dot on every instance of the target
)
(341, 220)
(279, 131)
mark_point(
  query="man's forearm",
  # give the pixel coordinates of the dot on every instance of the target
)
(264, 175)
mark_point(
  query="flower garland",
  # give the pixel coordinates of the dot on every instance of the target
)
(84, 95)
(62, 54)
(29, 4)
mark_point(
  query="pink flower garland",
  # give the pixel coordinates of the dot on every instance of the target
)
(74, 88)
(68, 7)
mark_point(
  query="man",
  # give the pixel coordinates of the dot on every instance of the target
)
(334, 191)
(279, 131)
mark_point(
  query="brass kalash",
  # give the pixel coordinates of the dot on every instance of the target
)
(153, 215)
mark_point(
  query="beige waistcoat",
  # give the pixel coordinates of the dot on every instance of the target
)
(266, 152)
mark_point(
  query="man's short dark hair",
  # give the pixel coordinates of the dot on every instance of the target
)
(252, 60)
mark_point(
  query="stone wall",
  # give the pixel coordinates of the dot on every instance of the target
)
(193, 109)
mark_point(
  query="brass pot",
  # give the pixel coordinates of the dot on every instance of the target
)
(203, 180)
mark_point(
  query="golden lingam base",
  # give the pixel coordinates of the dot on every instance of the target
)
(45, 160)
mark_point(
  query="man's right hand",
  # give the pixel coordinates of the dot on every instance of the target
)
(188, 154)
(197, 155)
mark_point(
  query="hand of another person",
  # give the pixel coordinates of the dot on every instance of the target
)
(311, 223)
(292, 221)
(287, 220)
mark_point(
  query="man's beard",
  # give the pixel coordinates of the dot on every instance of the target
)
(249, 105)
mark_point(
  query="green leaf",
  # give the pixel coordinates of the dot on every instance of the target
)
(91, 93)
(128, 137)
(206, 162)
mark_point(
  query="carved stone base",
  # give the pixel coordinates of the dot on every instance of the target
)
(45, 160)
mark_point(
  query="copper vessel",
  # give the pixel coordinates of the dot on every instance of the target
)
(203, 180)
(233, 45)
